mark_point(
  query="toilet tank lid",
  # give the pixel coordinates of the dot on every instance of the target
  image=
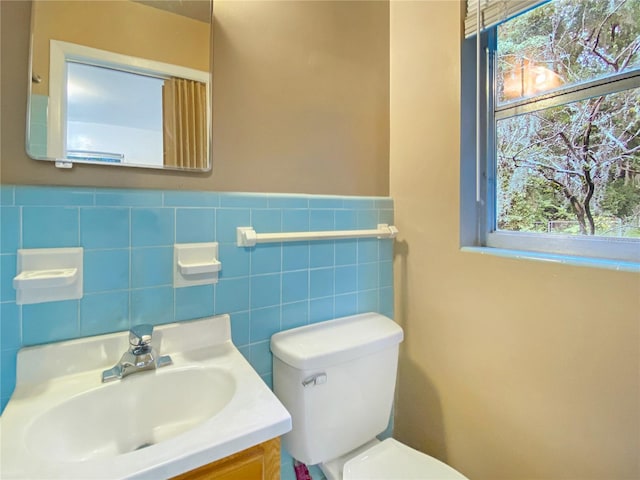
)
(335, 341)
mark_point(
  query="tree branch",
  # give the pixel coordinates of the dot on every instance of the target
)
(587, 134)
(538, 166)
(587, 200)
(569, 146)
(531, 145)
(597, 32)
(634, 47)
(576, 206)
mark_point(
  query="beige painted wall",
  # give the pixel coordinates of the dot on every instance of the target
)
(301, 103)
(511, 369)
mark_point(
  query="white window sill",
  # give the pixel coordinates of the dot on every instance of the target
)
(575, 261)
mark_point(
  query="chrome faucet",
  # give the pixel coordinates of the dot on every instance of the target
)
(141, 355)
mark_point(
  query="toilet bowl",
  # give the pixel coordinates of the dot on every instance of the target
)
(337, 379)
(388, 460)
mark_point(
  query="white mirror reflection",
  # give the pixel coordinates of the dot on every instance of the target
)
(121, 83)
(113, 115)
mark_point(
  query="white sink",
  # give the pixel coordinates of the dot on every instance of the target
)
(141, 410)
(62, 422)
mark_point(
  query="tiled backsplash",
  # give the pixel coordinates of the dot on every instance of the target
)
(128, 238)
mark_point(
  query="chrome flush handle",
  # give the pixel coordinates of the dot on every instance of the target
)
(313, 380)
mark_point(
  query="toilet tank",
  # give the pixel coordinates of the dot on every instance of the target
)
(337, 380)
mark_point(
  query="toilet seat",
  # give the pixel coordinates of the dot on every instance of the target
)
(392, 460)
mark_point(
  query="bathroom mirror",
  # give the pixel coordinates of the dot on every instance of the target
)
(124, 83)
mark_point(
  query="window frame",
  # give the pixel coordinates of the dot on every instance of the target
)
(477, 179)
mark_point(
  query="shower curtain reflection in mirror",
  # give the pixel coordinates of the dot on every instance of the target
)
(184, 104)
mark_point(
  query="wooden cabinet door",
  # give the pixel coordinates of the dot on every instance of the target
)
(260, 462)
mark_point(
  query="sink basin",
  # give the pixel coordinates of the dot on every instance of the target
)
(63, 422)
(117, 419)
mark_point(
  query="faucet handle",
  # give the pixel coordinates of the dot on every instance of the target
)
(140, 336)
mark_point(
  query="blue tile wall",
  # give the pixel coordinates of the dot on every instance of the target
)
(128, 238)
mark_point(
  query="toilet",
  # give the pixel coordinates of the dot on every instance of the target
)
(337, 379)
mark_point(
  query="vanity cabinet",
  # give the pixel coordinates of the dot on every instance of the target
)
(260, 462)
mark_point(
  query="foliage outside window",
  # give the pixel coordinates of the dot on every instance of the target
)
(565, 140)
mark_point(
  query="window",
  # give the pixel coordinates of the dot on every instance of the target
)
(559, 123)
